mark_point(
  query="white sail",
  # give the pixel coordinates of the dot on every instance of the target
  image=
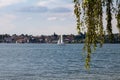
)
(60, 41)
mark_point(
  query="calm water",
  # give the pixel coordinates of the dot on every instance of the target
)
(53, 62)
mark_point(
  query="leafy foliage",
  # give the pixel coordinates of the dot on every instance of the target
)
(118, 15)
(89, 18)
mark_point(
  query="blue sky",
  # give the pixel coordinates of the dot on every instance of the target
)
(37, 17)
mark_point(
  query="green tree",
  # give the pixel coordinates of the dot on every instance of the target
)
(89, 18)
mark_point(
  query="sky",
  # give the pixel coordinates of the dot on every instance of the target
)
(38, 17)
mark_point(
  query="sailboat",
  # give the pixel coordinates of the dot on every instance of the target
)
(60, 41)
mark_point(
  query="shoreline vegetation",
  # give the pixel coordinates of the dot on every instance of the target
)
(68, 39)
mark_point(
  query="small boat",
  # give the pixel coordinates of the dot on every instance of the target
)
(60, 41)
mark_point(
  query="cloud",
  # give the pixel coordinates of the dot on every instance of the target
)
(34, 9)
(52, 18)
(45, 2)
(42, 9)
(56, 18)
(60, 10)
(56, 3)
(4, 3)
(57, 6)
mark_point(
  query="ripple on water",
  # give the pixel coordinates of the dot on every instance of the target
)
(53, 62)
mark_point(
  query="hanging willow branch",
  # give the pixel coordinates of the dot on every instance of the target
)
(89, 15)
(94, 25)
(118, 15)
(93, 22)
(77, 13)
(109, 18)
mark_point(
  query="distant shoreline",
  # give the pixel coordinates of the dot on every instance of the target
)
(51, 39)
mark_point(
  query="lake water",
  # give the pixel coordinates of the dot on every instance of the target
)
(55, 62)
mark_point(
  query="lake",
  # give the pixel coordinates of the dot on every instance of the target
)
(55, 62)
